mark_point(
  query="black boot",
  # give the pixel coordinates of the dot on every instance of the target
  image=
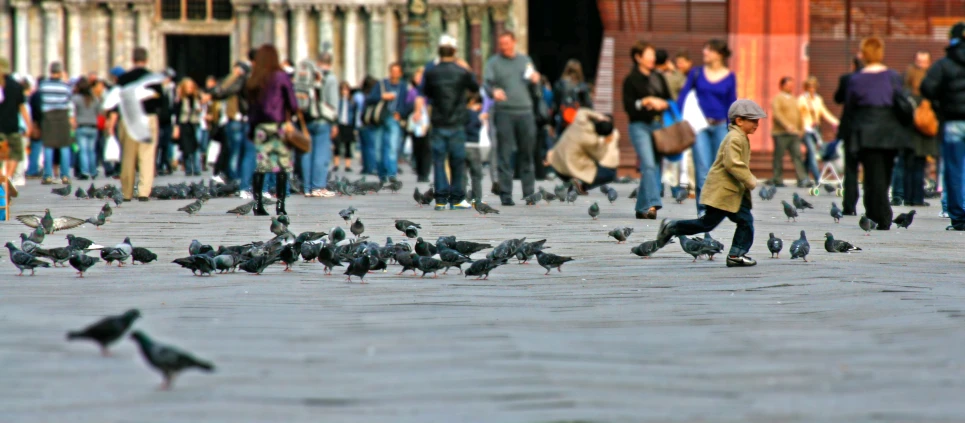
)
(258, 191)
(281, 191)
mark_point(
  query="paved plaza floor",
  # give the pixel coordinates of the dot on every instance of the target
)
(877, 335)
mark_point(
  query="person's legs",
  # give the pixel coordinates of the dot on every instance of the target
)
(164, 149)
(204, 140)
(877, 176)
(33, 163)
(744, 233)
(248, 158)
(390, 148)
(321, 156)
(539, 152)
(85, 144)
(914, 180)
(953, 152)
(48, 162)
(794, 147)
(474, 165)
(189, 163)
(129, 157)
(423, 156)
(648, 194)
(505, 148)
(439, 139)
(780, 147)
(235, 145)
(146, 160)
(281, 192)
(346, 136)
(367, 148)
(704, 155)
(898, 180)
(524, 126)
(706, 223)
(456, 147)
(851, 195)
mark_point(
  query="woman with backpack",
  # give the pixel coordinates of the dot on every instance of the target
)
(569, 95)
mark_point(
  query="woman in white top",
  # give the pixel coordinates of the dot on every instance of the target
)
(812, 110)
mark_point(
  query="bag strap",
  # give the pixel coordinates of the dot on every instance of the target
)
(674, 110)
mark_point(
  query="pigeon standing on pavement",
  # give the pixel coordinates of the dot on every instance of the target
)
(682, 194)
(243, 209)
(81, 262)
(62, 191)
(277, 227)
(789, 211)
(166, 359)
(359, 268)
(621, 234)
(483, 208)
(800, 248)
(832, 245)
(80, 194)
(633, 194)
(867, 225)
(481, 268)
(904, 220)
(24, 261)
(571, 196)
(775, 245)
(549, 261)
(612, 195)
(594, 210)
(836, 213)
(357, 228)
(57, 256)
(192, 208)
(28, 246)
(645, 249)
(107, 330)
(800, 204)
(142, 255)
(107, 210)
(98, 221)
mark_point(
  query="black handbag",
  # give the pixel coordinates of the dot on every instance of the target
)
(375, 114)
(903, 104)
(540, 110)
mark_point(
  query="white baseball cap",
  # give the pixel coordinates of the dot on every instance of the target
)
(448, 41)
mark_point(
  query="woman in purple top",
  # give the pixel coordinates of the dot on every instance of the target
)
(271, 101)
(875, 135)
(716, 89)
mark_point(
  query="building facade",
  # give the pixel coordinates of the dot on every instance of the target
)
(364, 35)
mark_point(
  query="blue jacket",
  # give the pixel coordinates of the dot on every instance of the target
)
(399, 105)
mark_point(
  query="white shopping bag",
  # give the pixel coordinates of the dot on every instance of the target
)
(485, 143)
(214, 149)
(692, 113)
(112, 150)
(407, 146)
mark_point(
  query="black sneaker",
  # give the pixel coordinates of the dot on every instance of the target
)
(742, 261)
(958, 227)
(897, 202)
(507, 201)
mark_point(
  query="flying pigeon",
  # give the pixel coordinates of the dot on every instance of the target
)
(800, 203)
(107, 330)
(904, 220)
(800, 248)
(167, 359)
(594, 210)
(836, 213)
(775, 245)
(867, 225)
(24, 261)
(832, 245)
(621, 234)
(49, 223)
(81, 262)
(789, 211)
(549, 261)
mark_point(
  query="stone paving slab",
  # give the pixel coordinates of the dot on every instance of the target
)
(870, 336)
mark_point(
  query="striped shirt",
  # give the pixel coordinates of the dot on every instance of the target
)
(55, 95)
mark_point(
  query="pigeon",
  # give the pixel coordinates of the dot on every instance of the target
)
(424, 248)
(560, 192)
(24, 261)
(633, 194)
(107, 331)
(836, 213)
(142, 255)
(452, 258)
(527, 250)
(62, 191)
(604, 189)
(407, 260)
(621, 234)
(121, 252)
(336, 235)
(832, 245)
(690, 246)
(193, 207)
(357, 228)
(402, 224)
(549, 261)
(28, 246)
(58, 256)
(767, 191)
(289, 256)
(197, 247)
(800, 248)
(98, 221)
(359, 268)
(612, 195)
(93, 192)
(533, 199)
(571, 196)
(594, 210)
(789, 211)
(417, 196)
(243, 209)
(224, 262)
(167, 359)
(277, 226)
(49, 223)
(428, 197)
(411, 232)
(469, 248)
(506, 249)
(775, 245)
(80, 194)
(830, 189)
(867, 225)
(309, 250)
(37, 235)
(394, 185)
(682, 194)
(81, 262)
(904, 220)
(712, 246)
(800, 203)
(645, 249)
(199, 264)
(481, 268)
(346, 214)
(328, 258)
(483, 208)
(547, 196)
(79, 243)
(258, 264)
(428, 265)
(107, 210)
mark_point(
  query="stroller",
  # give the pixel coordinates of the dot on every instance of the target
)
(830, 179)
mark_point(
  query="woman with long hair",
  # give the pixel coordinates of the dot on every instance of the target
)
(570, 94)
(187, 121)
(271, 103)
(86, 108)
(716, 89)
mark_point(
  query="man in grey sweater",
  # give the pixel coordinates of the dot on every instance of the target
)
(509, 78)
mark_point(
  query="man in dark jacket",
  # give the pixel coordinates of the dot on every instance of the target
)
(844, 128)
(944, 86)
(445, 86)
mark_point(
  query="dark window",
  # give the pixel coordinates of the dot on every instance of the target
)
(171, 9)
(197, 10)
(221, 10)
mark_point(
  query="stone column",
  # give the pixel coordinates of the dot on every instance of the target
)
(145, 12)
(376, 54)
(21, 37)
(53, 33)
(299, 32)
(391, 36)
(435, 30)
(403, 14)
(5, 33)
(351, 39)
(475, 13)
(454, 20)
(75, 65)
(280, 26)
(326, 27)
(120, 40)
(242, 30)
(500, 14)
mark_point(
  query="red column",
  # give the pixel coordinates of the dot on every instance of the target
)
(475, 38)
(500, 14)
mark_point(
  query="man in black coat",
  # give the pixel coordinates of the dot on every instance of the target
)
(844, 129)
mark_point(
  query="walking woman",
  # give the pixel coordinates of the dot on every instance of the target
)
(876, 136)
(812, 111)
(187, 121)
(346, 127)
(271, 101)
(716, 90)
(86, 109)
(645, 97)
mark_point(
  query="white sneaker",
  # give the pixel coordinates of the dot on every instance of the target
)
(268, 196)
(245, 195)
(217, 178)
(943, 215)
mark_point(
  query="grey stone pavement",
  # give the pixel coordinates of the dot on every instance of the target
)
(872, 336)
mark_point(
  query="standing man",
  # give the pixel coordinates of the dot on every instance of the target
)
(13, 104)
(57, 111)
(323, 130)
(388, 134)
(944, 86)
(445, 87)
(787, 134)
(138, 128)
(510, 79)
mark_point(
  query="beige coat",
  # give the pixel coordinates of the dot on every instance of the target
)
(730, 177)
(580, 150)
(787, 115)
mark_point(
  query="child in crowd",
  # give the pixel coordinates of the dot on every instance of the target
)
(473, 152)
(188, 115)
(727, 189)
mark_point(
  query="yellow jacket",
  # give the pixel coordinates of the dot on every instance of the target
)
(579, 150)
(730, 177)
(813, 109)
(787, 115)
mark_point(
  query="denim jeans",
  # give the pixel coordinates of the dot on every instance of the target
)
(449, 143)
(705, 152)
(204, 140)
(898, 179)
(65, 154)
(86, 142)
(235, 140)
(165, 148)
(367, 148)
(953, 153)
(315, 163)
(388, 137)
(192, 163)
(743, 234)
(811, 141)
(33, 163)
(648, 193)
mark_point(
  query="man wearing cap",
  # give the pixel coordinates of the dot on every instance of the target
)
(12, 104)
(727, 189)
(944, 86)
(56, 112)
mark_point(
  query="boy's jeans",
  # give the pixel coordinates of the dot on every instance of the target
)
(743, 235)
